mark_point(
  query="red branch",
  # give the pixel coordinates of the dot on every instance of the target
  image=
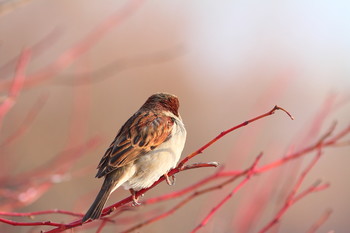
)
(32, 214)
(37, 50)
(250, 172)
(325, 216)
(71, 55)
(17, 84)
(320, 143)
(102, 225)
(33, 184)
(119, 65)
(292, 197)
(200, 150)
(27, 122)
(45, 223)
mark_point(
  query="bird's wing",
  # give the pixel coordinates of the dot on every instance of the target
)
(143, 132)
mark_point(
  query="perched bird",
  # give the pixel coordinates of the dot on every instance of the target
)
(146, 147)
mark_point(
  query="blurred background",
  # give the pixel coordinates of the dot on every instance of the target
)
(227, 61)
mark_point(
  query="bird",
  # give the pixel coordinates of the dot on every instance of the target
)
(146, 147)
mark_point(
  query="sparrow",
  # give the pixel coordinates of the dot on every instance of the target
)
(146, 147)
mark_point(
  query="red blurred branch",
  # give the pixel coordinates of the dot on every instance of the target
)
(37, 50)
(33, 184)
(320, 143)
(325, 216)
(102, 225)
(17, 84)
(71, 55)
(119, 65)
(27, 122)
(292, 197)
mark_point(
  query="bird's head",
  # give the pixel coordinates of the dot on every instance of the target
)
(163, 101)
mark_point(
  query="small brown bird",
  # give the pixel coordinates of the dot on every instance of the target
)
(146, 147)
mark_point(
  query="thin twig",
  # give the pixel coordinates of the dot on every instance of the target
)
(27, 122)
(249, 174)
(72, 54)
(323, 141)
(45, 223)
(200, 150)
(32, 214)
(102, 225)
(17, 84)
(292, 197)
(324, 217)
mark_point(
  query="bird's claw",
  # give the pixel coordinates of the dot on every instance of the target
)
(134, 198)
(167, 178)
(135, 202)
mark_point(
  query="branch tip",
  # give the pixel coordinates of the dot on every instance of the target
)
(317, 183)
(214, 164)
(282, 109)
(199, 165)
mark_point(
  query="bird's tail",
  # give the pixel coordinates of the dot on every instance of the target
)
(96, 208)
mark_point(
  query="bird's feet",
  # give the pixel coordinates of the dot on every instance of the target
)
(134, 198)
(167, 178)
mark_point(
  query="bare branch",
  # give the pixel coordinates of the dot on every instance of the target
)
(200, 150)
(324, 217)
(249, 173)
(32, 214)
(292, 197)
(17, 84)
(71, 55)
(27, 122)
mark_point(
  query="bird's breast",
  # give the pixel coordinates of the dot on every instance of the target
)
(159, 161)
